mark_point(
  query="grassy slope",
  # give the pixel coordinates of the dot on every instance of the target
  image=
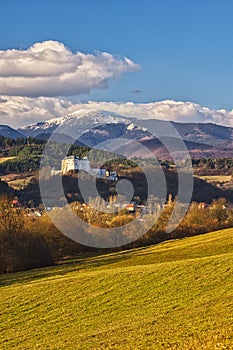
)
(176, 295)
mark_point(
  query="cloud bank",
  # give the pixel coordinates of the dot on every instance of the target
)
(50, 69)
(32, 82)
(20, 111)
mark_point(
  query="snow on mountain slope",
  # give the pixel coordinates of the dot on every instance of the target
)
(102, 124)
(83, 119)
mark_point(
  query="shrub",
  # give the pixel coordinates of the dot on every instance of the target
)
(19, 248)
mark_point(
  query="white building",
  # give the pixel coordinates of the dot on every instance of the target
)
(75, 163)
(99, 173)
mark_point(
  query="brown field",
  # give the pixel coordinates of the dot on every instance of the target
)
(18, 181)
(216, 178)
(4, 159)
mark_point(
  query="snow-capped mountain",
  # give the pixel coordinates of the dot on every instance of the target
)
(82, 119)
(7, 131)
(99, 125)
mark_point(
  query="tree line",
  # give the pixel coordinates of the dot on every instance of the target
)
(27, 242)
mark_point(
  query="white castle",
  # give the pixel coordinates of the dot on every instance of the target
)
(75, 163)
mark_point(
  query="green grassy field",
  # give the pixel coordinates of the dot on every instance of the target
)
(176, 295)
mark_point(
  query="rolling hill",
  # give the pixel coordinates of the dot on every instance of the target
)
(202, 191)
(175, 295)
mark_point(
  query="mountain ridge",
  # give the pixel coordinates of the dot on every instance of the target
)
(95, 126)
(7, 131)
(206, 133)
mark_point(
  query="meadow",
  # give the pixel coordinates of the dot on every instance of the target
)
(174, 295)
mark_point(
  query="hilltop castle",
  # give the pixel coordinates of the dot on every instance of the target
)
(75, 163)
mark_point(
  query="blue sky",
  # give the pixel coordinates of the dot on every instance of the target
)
(184, 48)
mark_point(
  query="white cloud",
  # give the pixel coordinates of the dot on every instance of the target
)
(184, 112)
(20, 111)
(32, 80)
(17, 111)
(51, 69)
